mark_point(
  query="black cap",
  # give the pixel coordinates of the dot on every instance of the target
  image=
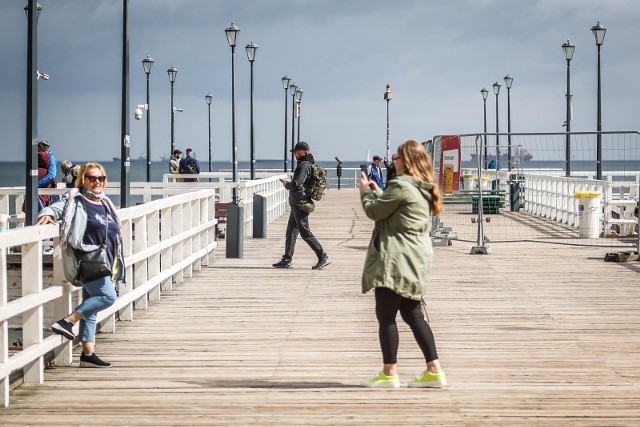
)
(301, 146)
(376, 158)
(176, 152)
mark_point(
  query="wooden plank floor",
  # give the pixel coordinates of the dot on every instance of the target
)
(533, 334)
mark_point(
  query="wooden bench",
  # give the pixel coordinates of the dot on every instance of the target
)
(221, 216)
(492, 200)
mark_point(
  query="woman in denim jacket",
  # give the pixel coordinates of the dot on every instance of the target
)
(87, 216)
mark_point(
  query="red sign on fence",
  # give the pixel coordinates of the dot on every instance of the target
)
(449, 164)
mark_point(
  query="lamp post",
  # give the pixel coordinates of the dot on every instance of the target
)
(485, 94)
(298, 105)
(387, 97)
(568, 49)
(285, 84)
(125, 138)
(32, 10)
(232, 33)
(208, 97)
(508, 81)
(292, 91)
(147, 63)
(496, 90)
(251, 49)
(172, 72)
(599, 32)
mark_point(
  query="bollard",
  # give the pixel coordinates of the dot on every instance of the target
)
(259, 216)
(235, 230)
(514, 196)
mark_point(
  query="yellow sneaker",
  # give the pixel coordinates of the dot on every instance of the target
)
(382, 381)
(428, 379)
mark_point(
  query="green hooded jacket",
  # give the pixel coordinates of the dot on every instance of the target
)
(400, 251)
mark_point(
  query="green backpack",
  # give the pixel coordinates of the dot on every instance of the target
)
(317, 182)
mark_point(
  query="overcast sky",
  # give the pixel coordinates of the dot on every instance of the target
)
(436, 55)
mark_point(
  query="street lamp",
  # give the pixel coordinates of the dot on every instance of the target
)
(251, 49)
(485, 94)
(285, 84)
(568, 49)
(208, 97)
(31, 155)
(599, 32)
(172, 72)
(508, 81)
(496, 90)
(232, 33)
(298, 105)
(292, 91)
(147, 63)
(387, 97)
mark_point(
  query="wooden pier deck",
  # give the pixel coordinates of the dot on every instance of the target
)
(533, 334)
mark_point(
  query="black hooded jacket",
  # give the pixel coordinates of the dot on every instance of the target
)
(301, 175)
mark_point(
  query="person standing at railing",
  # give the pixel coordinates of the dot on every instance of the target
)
(189, 165)
(375, 172)
(398, 261)
(88, 222)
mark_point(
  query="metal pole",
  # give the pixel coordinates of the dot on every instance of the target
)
(568, 143)
(293, 128)
(286, 104)
(148, 134)
(509, 128)
(234, 147)
(209, 105)
(599, 137)
(125, 136)
(173, 112)
(486, 165)
(497, 138)
(31, 154)
(388, 143)
(253, 138)
(298, 105)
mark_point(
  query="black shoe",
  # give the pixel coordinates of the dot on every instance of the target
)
(63, 327)
(93, 361)
(322, 263)
(283, 263)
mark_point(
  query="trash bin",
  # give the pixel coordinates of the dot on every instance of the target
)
(589, 213)
(467, 182)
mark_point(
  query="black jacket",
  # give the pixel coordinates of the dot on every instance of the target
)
(301, 175)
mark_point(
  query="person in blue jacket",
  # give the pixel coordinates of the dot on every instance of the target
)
(375, 172)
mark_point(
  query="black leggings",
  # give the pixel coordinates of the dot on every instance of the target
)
(387, 305)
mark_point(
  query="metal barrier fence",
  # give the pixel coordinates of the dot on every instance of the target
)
(521, 191)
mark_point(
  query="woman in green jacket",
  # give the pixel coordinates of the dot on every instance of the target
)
(398, 262)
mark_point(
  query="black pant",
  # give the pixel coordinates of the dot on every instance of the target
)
(299, 223)
(387, 305)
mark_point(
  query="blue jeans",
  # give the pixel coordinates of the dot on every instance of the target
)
(96, 296)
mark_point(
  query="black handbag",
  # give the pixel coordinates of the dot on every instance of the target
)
(95, 264)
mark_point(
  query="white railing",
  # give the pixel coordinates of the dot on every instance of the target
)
(165, 241)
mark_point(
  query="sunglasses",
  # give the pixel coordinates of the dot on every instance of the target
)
(395, 157)
(93, 179)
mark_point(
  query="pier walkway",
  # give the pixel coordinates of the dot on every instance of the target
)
(532, 334)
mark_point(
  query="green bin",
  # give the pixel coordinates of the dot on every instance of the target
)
(490, 204)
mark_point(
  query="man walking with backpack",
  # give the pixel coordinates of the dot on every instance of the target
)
(301, 206)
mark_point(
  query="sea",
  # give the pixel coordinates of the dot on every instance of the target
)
(12, 174)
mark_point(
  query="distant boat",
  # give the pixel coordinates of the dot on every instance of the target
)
(526, 156)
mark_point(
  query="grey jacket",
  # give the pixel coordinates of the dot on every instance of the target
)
(77, 228)
(400, 251)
